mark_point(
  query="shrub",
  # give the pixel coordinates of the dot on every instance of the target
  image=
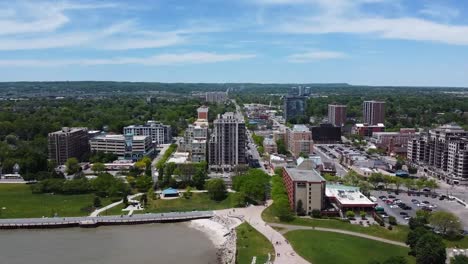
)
(350, 214)
(316, 213)
(392, 220)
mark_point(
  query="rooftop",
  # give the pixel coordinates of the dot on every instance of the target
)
(347, 195)
(367, 125)
(300, 128)
(304, 175)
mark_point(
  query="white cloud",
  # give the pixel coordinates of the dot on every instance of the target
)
(315, 56)
(346, 16)
(156, 60)
(39, 17)
(440, 12)
(393, 28)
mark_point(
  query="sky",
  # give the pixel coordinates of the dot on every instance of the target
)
(369, 42)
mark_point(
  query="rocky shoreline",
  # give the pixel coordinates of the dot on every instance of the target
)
(221, 231)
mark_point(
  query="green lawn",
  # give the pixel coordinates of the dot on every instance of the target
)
(198, 201)
(251, 243)
(21, 203)
(399, 233)
(331, 248)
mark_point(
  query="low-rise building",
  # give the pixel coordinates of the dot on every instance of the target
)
(305, 185)
(125, 147)
(348, 198)
(366, 130)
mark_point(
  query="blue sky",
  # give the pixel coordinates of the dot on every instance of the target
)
(373, 42)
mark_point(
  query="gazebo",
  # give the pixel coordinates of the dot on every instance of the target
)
(170, 192)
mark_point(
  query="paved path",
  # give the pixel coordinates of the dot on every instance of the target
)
(100, 210)
(253, 215)
(295, 227)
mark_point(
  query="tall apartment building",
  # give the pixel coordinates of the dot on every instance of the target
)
(127, 147)
(373, 112)
(158, 132)
(443, 150)
(216, 97)
(299, 140)
(196, 136)
(227, 142)
(294, 107)
(70, 142)
(337, 114)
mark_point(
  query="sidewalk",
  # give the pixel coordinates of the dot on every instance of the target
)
(96, 212)
(253, 215)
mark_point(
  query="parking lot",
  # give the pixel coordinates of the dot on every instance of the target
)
(422, 200)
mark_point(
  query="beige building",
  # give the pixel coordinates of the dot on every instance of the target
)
(299, 140)
(127, 147)
(305, 185)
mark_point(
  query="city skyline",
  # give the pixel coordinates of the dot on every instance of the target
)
(369, 42)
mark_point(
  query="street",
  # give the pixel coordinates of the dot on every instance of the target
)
(340, 170)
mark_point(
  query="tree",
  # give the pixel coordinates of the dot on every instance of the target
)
(445, 222)
(199, 179)
(282, 209)
(375, 179)
(150, 194)
(459, 259)
(125, 200)
(144, 200)
(143, 183)
(430, 249)
(97, 202)
(300, 208)
(409, 184)
(392, 220)
(72, 166)
(216, 189)
(398, 182)
(413, 238)
(239, 199)
(281, 146)
(254, 183)
(420, 183)
(431, 184)
(98, 167)
(387, 180)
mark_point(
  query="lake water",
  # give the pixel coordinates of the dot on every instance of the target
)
(152, 243)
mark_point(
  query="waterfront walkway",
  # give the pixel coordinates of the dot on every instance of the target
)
(96, 212)
(87, 221)
(284, 253)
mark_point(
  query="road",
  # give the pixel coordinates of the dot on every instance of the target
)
(250, 143)
(155, 161)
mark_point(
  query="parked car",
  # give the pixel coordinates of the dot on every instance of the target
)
(414, 201)
(392, 196)
(403, 213)
(382, 197)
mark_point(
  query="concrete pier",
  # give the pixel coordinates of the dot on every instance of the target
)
(86, 221)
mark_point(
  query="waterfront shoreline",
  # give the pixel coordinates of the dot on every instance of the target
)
(221, 232)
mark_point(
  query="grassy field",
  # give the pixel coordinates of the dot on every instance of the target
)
(251, 243)
(330, 248)
(21, 203)
(399, 233)
(198, 201)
